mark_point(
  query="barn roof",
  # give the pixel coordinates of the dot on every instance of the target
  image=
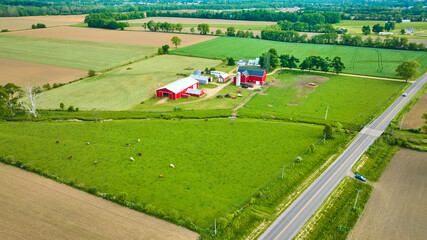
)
(199, 77)
(247, 71)
(180, 85)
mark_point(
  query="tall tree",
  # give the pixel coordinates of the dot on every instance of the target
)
(231, 32)
(408, 69)
(30, 92)
(176, 41)
(366, 30)
(337, 65)
(203, 28)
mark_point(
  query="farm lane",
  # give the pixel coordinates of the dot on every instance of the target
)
(294, 218)
(61, 212)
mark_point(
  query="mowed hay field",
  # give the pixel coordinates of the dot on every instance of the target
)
(124, 87)
(358, 60)
(22, 73)
(351, 100)
(85, 55)
(211, 176)
(30, 202)
(103, 35)
(18, 23)
(397, 206)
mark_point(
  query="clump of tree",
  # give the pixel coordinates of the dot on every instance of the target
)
(288, 61)
(163, 49)
(5, 30)
(203, 28)
(230, 61)
(38, 25)
(162, 26)
(269, 60)
(91, 73)
(366, 30)
(408, 70)
(9, 99)
(106, 20)
(176, 41)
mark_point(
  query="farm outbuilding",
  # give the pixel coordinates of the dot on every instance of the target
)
(176, 89)
(252, 75)
(202, 79)
(223, 77)
(194, 92)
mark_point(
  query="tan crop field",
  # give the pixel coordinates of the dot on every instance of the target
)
(18, 23)
(397, 206)
(414, 119)
(199, 21)
(103, 35)
(22, 73)
(34, 207)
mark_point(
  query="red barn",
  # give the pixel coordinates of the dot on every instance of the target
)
(176, 89)
(252, 75)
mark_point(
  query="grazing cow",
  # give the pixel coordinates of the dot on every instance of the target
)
(172, 166)
(139, 140)
(70, 157)
(128, 144)
(160, 176)
(87, 143)
(95, 162)
(139, 154)
(57, 141)
(132, 159)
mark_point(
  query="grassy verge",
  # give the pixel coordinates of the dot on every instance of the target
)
(337, 215)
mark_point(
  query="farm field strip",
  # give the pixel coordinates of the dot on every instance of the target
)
(206, 182)
(125, 87)
(22, 73)
(70, 53)
(355, 26)
(365, 62)
(154, 39)
(18, 23)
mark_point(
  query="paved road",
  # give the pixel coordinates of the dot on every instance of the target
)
(294, 218)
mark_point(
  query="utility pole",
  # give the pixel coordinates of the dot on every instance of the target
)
(215, 226)
(326, 115)
(354, 207)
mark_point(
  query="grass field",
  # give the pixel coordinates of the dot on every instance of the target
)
(124, 87)
(355, 26)
(350, 99)
(358, 60)
(211, 176)
(70, 53)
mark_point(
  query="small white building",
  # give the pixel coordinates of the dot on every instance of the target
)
(406, 20)
(241, 62)
(254, 62)
(201, 79)
(385, 33)
(224, 77)
(409, 31)
(217, 73)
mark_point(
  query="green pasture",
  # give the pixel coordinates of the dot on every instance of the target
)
(358, 60)
(124, 87)
(351, 100)
(355, 26)
(219, 164)
(86, 55)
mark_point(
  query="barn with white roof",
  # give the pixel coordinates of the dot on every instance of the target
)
(175, 90)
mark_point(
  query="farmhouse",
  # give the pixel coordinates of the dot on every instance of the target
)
(241, 62)
(179, 88)
(252, 75)
(223, 77)
(409, 30)
(254, 62)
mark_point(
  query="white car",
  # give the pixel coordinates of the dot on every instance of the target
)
(404, 94)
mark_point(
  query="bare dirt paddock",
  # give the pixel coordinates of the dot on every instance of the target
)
(33, 207)
(17, 23)
(414, 119)
(397, 208)
(103, 35)
(22, 73)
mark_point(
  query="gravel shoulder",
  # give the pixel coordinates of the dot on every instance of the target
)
(33, 207)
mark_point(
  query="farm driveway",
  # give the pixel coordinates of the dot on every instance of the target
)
(398, 204)
(33, 207)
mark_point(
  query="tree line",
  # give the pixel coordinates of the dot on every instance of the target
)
(271, 60)
(345, 39)
(110, 20)
(305, 27)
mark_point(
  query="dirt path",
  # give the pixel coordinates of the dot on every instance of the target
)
(397, 208)
(33, 207)
(414, 119)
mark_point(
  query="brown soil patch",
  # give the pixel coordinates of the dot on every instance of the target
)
(292, 104)
(33, 207)
(199, 21)
(22, 73)
(104, 35)
(305, 84)
(414, 119)
(397, 206)
(17, 23)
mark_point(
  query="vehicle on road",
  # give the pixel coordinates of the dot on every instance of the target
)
(404, 94)
(360, 177)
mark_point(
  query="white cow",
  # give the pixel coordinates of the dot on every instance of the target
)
(172, 166)
(132, 159)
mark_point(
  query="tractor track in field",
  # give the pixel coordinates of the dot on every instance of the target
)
(380, 61)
